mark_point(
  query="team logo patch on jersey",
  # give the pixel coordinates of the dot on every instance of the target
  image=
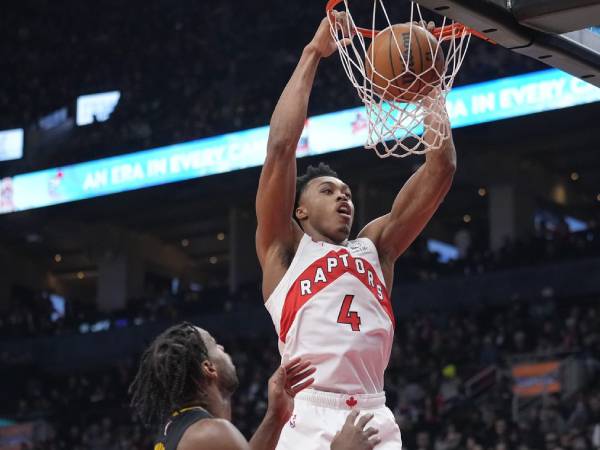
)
(358, 247)
(293, 421)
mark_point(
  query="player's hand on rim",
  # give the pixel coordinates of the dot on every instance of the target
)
(354, 436)
(323, 42)
(285, 383)
(429, 26)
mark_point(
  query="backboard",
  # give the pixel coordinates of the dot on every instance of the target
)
(565, 35)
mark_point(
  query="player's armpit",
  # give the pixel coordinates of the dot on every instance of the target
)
(213, 434)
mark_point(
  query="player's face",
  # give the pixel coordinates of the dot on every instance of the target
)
(227, 375)
(327, 205)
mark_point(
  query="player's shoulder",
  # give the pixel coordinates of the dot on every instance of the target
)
(212, 434)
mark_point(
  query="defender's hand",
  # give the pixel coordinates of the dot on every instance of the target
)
(285, 383)
(353, 436)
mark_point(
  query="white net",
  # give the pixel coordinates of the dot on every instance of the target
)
(405, 101)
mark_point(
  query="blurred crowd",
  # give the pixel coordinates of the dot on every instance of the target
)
(184, 70)
(33, 314)
(429, 384)
(433, 365)
(419, 262)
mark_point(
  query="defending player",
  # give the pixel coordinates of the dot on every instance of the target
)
(329, 297)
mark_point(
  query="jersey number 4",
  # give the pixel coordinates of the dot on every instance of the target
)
(350, 317)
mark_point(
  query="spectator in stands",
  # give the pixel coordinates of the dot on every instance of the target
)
(423, 441)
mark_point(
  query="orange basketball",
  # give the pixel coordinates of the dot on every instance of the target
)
(391, 77)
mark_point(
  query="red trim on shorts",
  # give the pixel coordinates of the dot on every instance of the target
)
(294, 299)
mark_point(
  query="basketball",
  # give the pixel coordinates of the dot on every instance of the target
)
(389, 55)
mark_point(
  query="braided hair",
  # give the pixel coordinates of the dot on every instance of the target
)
(170, 374)
(312, 172)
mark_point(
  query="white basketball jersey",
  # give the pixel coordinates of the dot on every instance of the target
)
(332, 307)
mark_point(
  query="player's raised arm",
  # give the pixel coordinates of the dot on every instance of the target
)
(418, 199)
(277, 186)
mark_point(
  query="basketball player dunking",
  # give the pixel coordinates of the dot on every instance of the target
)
(328, 296)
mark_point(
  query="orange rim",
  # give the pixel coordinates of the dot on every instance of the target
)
(454, 31)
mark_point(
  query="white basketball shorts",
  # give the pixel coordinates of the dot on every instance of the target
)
(319, 415)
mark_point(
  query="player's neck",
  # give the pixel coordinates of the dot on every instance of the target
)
(217, 404)
(319, 237)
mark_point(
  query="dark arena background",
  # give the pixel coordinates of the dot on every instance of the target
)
(132, 139)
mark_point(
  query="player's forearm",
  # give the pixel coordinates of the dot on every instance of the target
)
(267, 433)
(289, 115)
(442, 159)
(439, 168)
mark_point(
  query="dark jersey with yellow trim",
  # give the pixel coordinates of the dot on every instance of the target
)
(180, 421)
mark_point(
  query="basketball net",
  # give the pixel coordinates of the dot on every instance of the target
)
(399, 128)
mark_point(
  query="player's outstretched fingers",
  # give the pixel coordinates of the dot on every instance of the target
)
(370, 432)
(364, 420)
(292, 363)
(298, 368)
(351, 419)
(353, 435)
(300, 387)
(295, 379)
(297, 372)
(374, 441)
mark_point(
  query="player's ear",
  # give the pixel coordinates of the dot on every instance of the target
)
(209, 370)
(301, 213)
